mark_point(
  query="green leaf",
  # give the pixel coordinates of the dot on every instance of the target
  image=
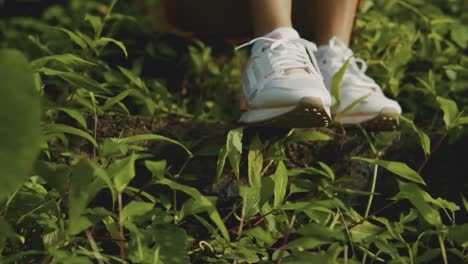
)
(424, 140)
(221, 162)
(234, 149)
(459, 233)
(134, 79)
(170, 239)
(463, 120)
(96, 23)
(419, 199)
(73, 36)
(250, 198)
(398, 168)
(102, 42)
(205, 202)
(77, 80)
(281, 181)
(364, 231)
(319, 231)
(60, 128)
(450, 110)
(67, 59)
(85, 183)
(136, 208)
(117, 99)
(122, 172)
(336, 84)
(19, 121)
(255, 158)
(157, 168)
(459, 34)
(307, 136)
(151, 137)
(75, 114)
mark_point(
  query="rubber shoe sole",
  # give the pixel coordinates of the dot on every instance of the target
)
(385, 120)
(309, 112)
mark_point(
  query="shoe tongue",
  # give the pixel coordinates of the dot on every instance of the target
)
(279, 33)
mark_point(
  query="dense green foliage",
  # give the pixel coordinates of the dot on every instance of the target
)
(87, 58)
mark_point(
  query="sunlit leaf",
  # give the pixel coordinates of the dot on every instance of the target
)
(398, 168)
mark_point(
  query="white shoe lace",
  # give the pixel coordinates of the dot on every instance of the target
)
(290, 54)
(354, 73)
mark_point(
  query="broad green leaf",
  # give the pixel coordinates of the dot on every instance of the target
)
(319, 231)
(80, 181)
(192, 207)
(122, 172)
(171, 241)
(205, 202)
(255, 158)
(250, 198)
(157, 168)
(336, 84)
(19, 121)
(96, 23)
(398, 168)
(424, 140)
(67, 59)
(309, 242)
(450, 110)
(221, 162)
(234, 149)
(102, 42)
(459, 233)
(418, 199)
(78, 225)
(459, 34)
(307, 136)
(364, 231)
(73, 36)
(86, 181)
(60, 128)
(75, 114)
(136, 208)
(78, 80)
(151, 137)
(281, 181)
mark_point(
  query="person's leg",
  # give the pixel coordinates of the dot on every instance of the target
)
(325, 19)
(268, 15)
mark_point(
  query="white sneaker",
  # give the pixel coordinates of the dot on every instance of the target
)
(282, 84)
(376, 111)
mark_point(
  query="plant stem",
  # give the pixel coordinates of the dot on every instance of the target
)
(286, 238)
(121, 231)
(371, 196)
(94, 247)
(442, 249)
